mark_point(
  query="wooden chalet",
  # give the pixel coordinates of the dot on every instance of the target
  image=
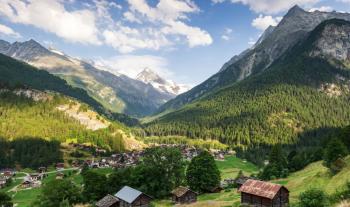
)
(108, 201)
(129, 197)
(3, 182)
(36, 176)
(183, 195)
(59, 176)
(59, 166)
(41, 170)
(264, 194)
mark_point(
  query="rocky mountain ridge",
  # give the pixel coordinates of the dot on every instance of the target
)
(148, 76)
(116, 93)
(293, 28)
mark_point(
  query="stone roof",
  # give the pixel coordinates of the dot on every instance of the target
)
(261, 188)
(107, 201)
(180, 191)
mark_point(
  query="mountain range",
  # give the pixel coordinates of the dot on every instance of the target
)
(118, 93)
(275, 41)
(291, 87)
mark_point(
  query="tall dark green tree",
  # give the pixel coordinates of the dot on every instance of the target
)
(5, 200)
(58, 192)
(95, 185)
(333, 155)
(277, 166)
(203, 174)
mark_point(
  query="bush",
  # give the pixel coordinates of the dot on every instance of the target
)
(313, 198)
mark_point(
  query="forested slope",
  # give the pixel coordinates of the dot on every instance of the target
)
(14, 73)
(300, 96)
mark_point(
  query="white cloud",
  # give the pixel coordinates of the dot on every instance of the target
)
(51, 16)
(129, 16)
(126, 39)
(227, 34)
(9, 31)
(263, 22)
(271, 6)
(131, 65)
(171, 16)
(322, 9)
(158, 26)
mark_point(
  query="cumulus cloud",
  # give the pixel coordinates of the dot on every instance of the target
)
(157, 26)
(270, 6)
(172, 16)
(322, 9)
(263, 22)
(8, 31)
(131, 65)
(52, 16)
(126, 39)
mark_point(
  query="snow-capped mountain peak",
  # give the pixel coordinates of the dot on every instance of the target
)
(148, 76)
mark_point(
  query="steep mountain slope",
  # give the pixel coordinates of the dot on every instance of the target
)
(31, 113)
(116, 93)
(296, 99)
(148, 76)
(293, 28)
(15, 73)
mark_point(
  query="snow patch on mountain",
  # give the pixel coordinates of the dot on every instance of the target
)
(148, 76)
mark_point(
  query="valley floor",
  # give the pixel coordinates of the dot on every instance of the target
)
(313, 176)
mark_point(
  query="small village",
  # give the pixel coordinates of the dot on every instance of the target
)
(253, 192)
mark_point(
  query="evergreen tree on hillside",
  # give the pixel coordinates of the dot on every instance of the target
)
(202, 173)
(333, 155)
(95, 185)
(278, 165)
(5, 200)
(58, 192)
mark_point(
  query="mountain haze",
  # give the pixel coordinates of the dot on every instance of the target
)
(116, 93)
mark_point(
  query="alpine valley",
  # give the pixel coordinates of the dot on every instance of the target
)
(270, 128)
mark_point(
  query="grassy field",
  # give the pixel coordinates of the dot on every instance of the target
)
(230, 167)
(23, 198)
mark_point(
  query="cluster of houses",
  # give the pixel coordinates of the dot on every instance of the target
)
(34, 180)
(254, 193)
(5, 177)
(127, 159)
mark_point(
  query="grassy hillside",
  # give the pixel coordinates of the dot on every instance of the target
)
(316, 176)
(298, 98)
(23, 117)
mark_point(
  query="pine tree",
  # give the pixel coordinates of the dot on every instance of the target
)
(202, 173)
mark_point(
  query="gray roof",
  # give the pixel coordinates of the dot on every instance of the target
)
(107, 201)
(128, 194)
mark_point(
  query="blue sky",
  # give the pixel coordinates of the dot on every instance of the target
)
(183, 40)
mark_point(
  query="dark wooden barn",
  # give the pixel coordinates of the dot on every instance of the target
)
(108, 201)
(129, 197)
(264, 194)
(183, 195)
